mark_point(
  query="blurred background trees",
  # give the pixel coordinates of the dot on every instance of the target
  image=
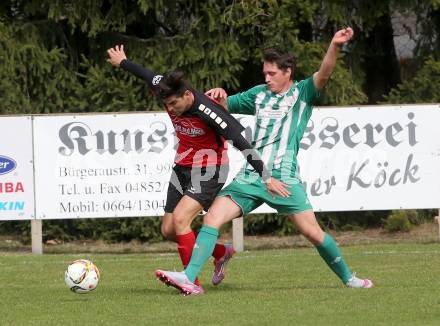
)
(53, 52)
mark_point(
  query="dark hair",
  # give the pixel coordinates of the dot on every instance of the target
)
(282, 59)
(171, 84)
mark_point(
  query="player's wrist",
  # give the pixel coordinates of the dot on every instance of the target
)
(266, 178)
(334, 45)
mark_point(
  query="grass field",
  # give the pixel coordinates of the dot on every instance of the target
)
(274, 287)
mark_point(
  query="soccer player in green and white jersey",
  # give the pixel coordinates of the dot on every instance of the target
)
(282, 108)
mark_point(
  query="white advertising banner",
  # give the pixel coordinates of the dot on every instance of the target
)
(365, 158)
(372, 158)
(102, 165)
(16, 169)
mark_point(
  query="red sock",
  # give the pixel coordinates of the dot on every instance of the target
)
(219, 249)
(185, 244)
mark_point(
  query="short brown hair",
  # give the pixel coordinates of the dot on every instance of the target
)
(282, 59)
(173, 83)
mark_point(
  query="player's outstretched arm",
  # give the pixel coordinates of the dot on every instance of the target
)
(224, 124)
(273, 186)
(321, 77)
(117, 58)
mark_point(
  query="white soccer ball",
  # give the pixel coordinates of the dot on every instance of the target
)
(82, 276)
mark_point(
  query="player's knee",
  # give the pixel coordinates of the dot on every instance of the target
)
(314, 235)
(213, 220)
(180, 220)
(207, 218)
(167, 231)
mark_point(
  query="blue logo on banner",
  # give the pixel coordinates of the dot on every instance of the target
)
(7, 164)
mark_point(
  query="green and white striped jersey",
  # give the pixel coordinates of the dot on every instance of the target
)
(280, 121)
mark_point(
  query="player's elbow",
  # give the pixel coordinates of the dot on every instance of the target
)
(320, 80)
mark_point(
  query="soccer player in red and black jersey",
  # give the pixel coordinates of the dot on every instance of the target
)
(201, 165)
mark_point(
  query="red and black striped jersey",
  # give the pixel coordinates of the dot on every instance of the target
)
(199, 145)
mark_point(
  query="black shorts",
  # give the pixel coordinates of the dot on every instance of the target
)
(200, 183)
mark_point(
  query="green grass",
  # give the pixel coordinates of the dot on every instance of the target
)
(276, 287)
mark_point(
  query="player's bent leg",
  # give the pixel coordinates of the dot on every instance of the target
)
(308, 226)
(327, 249)
(185, 245)
(185, 212)
(223, 210)
(183, 215)
(185, 281)
(167, 227)
(174, 195)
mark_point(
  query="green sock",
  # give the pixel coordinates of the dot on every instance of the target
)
(329, 251)
(203, 249)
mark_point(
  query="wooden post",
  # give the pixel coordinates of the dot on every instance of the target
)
(437, 218)
(37, 236)
(237, 234)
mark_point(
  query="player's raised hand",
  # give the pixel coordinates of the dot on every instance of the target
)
(218, 94)
(275, 186)
(343, 36)
(116, 55)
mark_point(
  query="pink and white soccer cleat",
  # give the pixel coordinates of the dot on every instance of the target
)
(180, 281)
(358, 283)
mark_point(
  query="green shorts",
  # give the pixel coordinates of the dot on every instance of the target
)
(250, 192)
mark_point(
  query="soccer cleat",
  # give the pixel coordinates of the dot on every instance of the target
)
(220, 265)
(358, 283)
(180, 281)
